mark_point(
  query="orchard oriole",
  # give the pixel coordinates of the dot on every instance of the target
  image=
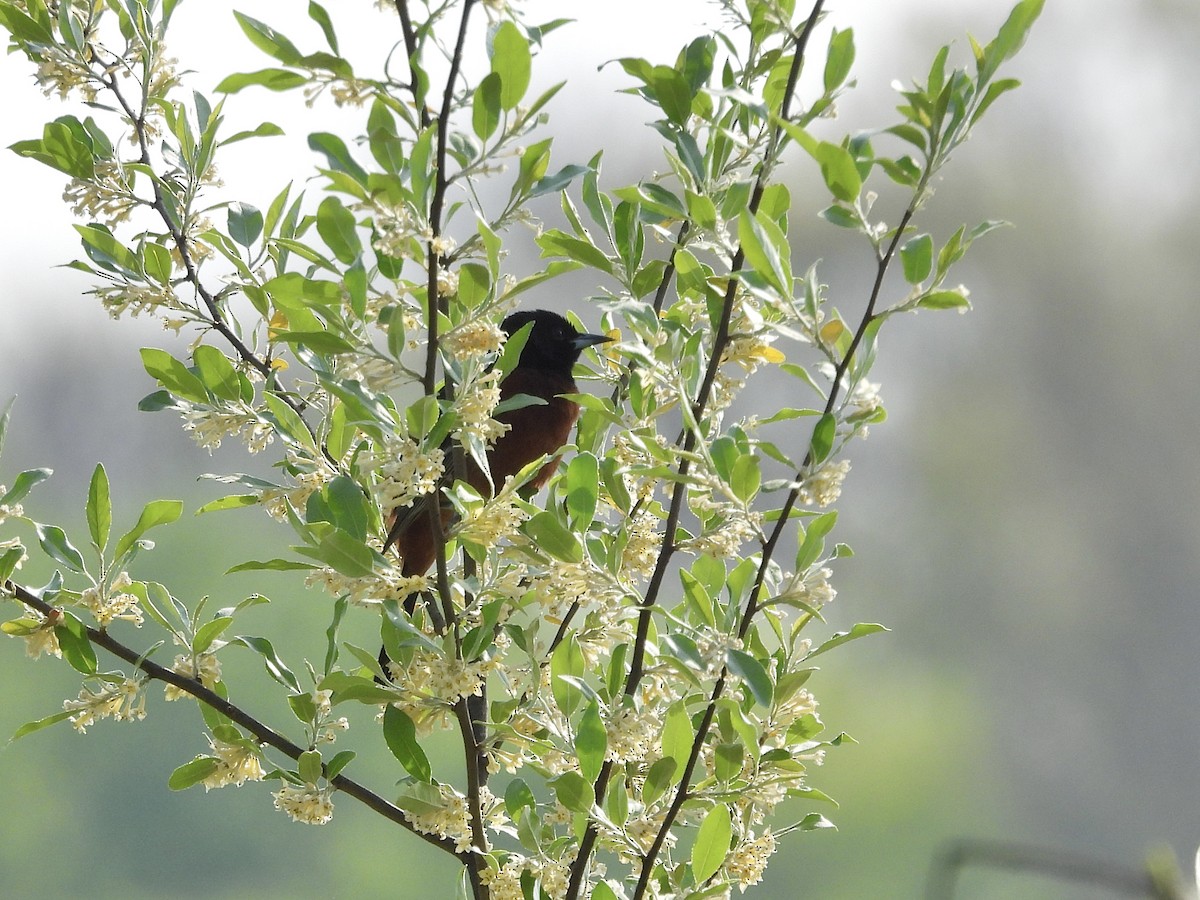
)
(543, 371)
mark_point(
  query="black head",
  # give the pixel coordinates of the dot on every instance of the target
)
(554, 344)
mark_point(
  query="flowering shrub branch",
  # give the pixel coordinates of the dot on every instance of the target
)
(624, 657)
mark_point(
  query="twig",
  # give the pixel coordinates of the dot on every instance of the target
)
(264, 734)
(678, 494)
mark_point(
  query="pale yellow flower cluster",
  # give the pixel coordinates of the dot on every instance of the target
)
(9, 509)
(403, 471)
(276, 500)
(640, 555)
(800, 703)
(451, 820)
(475, 405)
(40, 638)
(394, 230)
(473, 339)
(733, 527)
(351, 91)
(375, 372)
(136, 299)
(325, 725)
(439, 677)
(746, 863)
(205, 668)
(236, 764)
(505, 883)
(633, 458)
(106, 196)
(811, 588)
(370, 590)
(307, 803)
(633, 734)
(60, 72)
(493, 521)
(108, 603)
(123, 701)
(209, 426)
(824, 486)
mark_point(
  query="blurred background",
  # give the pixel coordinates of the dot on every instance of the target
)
(1026, 522)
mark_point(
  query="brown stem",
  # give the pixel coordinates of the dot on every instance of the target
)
(261, 732)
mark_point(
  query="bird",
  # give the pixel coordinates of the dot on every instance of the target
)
(544, 371)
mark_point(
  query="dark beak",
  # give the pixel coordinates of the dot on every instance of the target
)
(583, 341)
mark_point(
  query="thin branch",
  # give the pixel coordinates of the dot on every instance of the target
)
(261, 732)
(474, 862)
(679, 492)
(216, 318)
(411, 49)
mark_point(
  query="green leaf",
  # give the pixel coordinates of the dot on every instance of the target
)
(244, 222)
(268, 40)
(341, 502)
(485, 107)
(217, 373)
(271, 79)
(712, 843)
(338, 230)
(955, 299)
(518, 796)
(812, 539)
(511, 60)
(106, 251)
(574, 792)
(308, 766)
(99, 507)
(766, 249)
(567, 660)
(24, 28)
(23, 484)
(194, 772)
(31, 727)
(840, 59)
(317, 13)
(337, 155)
(554, 242)
(173, 375)
(591, 742)
(324, 342)
(823, 436)
(154, 513)
(270, 565)
(673, 94)
(862, 629)
(753, 673)
(275, 666)
(839, 171)
(746, 477)
(552, 537)
(583, 477)
(344, 552)
(340, 760)
(263, 129)
(209, 632)
(55, 545)
(157, 262)
(660, 776)
(75, 645)
(288, 421)
(916, 255)
(677, 737)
